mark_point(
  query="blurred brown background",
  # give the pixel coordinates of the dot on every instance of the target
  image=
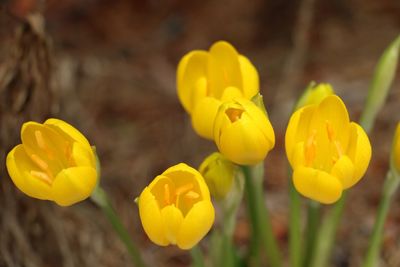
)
(108, 67)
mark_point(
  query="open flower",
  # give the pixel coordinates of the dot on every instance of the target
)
(396, 150)
(54, 162)
(243, 132)
(218, 172)
(327, 152)
(176, 207)
(207, 78)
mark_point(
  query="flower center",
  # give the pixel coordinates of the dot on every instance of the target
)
(172, 196)
(234, 114)
(47, 159)
(322, 150)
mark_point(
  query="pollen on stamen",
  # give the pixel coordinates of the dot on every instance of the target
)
(330, 131)
(310, 148)
(183, 189)
(42, 144)
(192, 195)
(167, 195)
(39, 162)
(42, 176)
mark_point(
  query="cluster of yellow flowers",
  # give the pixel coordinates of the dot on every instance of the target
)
(328, 152)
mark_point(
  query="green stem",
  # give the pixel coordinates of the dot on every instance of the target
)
(100, 197)
(390, 186)
(197, 257)
(326, 234)
(311, 233)
(262, 231)
(294, 225)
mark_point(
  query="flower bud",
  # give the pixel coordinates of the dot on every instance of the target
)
(218, 172)
(314, 94)
(176, 208)
(54, 162)
(243, 132)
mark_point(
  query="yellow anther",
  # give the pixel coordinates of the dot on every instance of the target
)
(40, 162)
(339, 148)
(183, 189)
(42, 144)
(330, 131)
(42, 176)
(311, 148)
(192, 195)
(40, 140)
(167, 195)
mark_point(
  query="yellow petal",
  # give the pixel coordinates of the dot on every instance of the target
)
(151, 218)
(332, 110)
(317, 185)
(19, 166)
(73, 185)
(249, 76)
(231, 93)
(223, 68)
(260, 119)
(298, 158)
(191, 68)
(63, 127)
(203, 117)
(298, 129)
(82, 156)
(196, 224)
(172, 218)
(344, 171)
(243, 143)
(359, 150)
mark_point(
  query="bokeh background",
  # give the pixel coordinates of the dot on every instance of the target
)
(108, 67)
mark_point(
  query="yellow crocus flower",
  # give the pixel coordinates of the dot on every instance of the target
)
(327, 152)
(207, 78)
(176, 207)
(396, 150)
(54, 162)
(243, 132)
(218, 173)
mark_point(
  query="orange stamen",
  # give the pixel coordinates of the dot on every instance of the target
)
(192, 195)
(311, 148)
(167, 195)
(42, 176)
(183, 189)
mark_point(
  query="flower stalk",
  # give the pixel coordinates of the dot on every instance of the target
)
(100, 198)
(262, 232)
(391, 184)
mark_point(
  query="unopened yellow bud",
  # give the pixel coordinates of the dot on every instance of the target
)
(243, 132)
(218, 173)
(315, 94)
